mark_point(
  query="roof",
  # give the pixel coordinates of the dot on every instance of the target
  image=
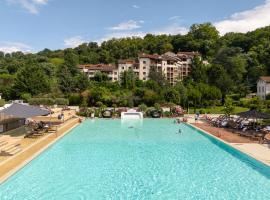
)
(99, 67)
(24, 111)
(170, 56)
(154, 56)
(127, 61)
(265, 78)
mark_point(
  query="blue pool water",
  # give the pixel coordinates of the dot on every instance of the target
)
(105, 159)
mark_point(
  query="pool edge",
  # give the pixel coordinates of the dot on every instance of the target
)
(231, 145)
(10, 173)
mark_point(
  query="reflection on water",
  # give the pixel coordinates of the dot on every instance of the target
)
(131, 123)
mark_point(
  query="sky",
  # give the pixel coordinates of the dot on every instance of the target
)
(32, 25)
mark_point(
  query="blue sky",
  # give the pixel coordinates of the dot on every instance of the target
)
(32, 25)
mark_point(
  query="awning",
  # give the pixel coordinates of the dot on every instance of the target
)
(24, 111)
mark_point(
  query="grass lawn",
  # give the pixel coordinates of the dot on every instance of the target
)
(217, 110)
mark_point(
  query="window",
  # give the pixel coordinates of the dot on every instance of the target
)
(144, 73)
(144, 62)
(144, 67)
(144, 78)
(123, 67)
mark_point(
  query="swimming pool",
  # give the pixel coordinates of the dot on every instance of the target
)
(106, 159)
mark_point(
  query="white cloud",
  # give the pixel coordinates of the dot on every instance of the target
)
(135, 6)
(9, 47)
(127, 26)
(172, 29)
(175, 18)
(247, 20)
(118, 35)
(74, 41)
(31, 6)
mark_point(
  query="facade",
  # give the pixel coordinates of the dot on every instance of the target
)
(263, 86)
(174, 67)
(125, 65)
(90, 70)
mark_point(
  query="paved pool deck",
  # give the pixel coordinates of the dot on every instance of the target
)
(252, 148)
(11, 165)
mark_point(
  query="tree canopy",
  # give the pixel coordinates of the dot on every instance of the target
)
(234, 63)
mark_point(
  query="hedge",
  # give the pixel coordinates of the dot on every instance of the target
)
(48, 101)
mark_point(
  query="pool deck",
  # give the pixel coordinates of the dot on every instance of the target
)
(11, 165)
(258, 151)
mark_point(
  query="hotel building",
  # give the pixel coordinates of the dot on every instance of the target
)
(174, 67)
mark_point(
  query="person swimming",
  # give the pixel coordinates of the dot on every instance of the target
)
(179, 131)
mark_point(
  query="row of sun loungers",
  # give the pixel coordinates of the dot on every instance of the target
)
(37, 130)
(240, 126)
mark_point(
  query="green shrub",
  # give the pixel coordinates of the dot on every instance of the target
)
(167, 114)
(48, 101)
(61, 101)
(26, 96)
(2, 102)
(75, 99)
(234, 97)
(202, 111)
(142, 107)
(245, 102)
(41, 101)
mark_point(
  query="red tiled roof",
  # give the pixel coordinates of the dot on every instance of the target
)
(100, 67)
(265, 78)
(154, 57)
(127, 61)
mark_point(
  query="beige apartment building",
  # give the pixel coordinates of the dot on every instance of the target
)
(174, 67)
(90, 70)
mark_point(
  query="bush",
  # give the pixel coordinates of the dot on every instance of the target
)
(48, 101)
(234, 97)
(142, 107)
(245, 102)
(2, 102)
(75, 99)
(61, 101)
(26, 96)
(167, 114)
(202, 111)
(41, 101)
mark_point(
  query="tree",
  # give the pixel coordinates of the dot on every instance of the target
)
(65, 80)
(31, 79)
(194, 96)
(157, 76)
(171, 95)
(228, 106)
(199, 71)
(100, 77)
(128, 79)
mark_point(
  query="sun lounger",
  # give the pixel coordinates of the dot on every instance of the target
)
(266, 138)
